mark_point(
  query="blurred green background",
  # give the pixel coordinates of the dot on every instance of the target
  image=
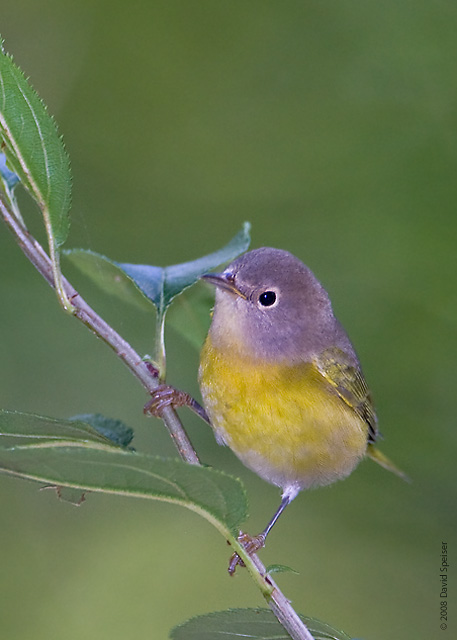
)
(331, 126)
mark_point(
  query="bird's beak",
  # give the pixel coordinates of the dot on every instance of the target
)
(223, 281)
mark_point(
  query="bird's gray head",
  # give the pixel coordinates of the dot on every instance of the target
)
(270, 306)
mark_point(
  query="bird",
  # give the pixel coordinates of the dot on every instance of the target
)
(280, 380)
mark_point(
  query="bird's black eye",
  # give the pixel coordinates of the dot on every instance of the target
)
(267, 298)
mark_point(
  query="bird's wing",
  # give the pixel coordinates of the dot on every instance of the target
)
(348, 381)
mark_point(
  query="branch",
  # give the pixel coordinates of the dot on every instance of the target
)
(142, 370)
(148, 376)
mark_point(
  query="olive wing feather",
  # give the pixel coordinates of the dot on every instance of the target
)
(340, 371)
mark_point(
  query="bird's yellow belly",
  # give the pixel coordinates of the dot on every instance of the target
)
(285, 423)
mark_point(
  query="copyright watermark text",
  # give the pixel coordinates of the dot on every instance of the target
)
(444, 575)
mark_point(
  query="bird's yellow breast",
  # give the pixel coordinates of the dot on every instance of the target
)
(286, 423)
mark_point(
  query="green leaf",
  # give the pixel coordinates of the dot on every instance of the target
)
(159, 285)
(255, 624)
(34, 149)
(280, 568)
(114, 430)
(146, 285)
(71, 454)
(109, 276)
(27, 429)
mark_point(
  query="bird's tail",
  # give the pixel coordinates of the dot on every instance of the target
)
(381, 459)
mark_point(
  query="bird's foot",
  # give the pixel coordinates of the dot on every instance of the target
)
(251, 545)
(166, 396)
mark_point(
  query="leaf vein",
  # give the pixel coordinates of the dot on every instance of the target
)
(146, 472)
(43, 147)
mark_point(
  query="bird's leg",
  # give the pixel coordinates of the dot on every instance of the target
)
(252, 544)
(166, 396)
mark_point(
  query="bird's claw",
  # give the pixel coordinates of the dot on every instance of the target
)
(165, 396)
(251, 545)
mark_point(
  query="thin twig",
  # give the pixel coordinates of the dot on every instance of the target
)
(145, 373)
(148, 376)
